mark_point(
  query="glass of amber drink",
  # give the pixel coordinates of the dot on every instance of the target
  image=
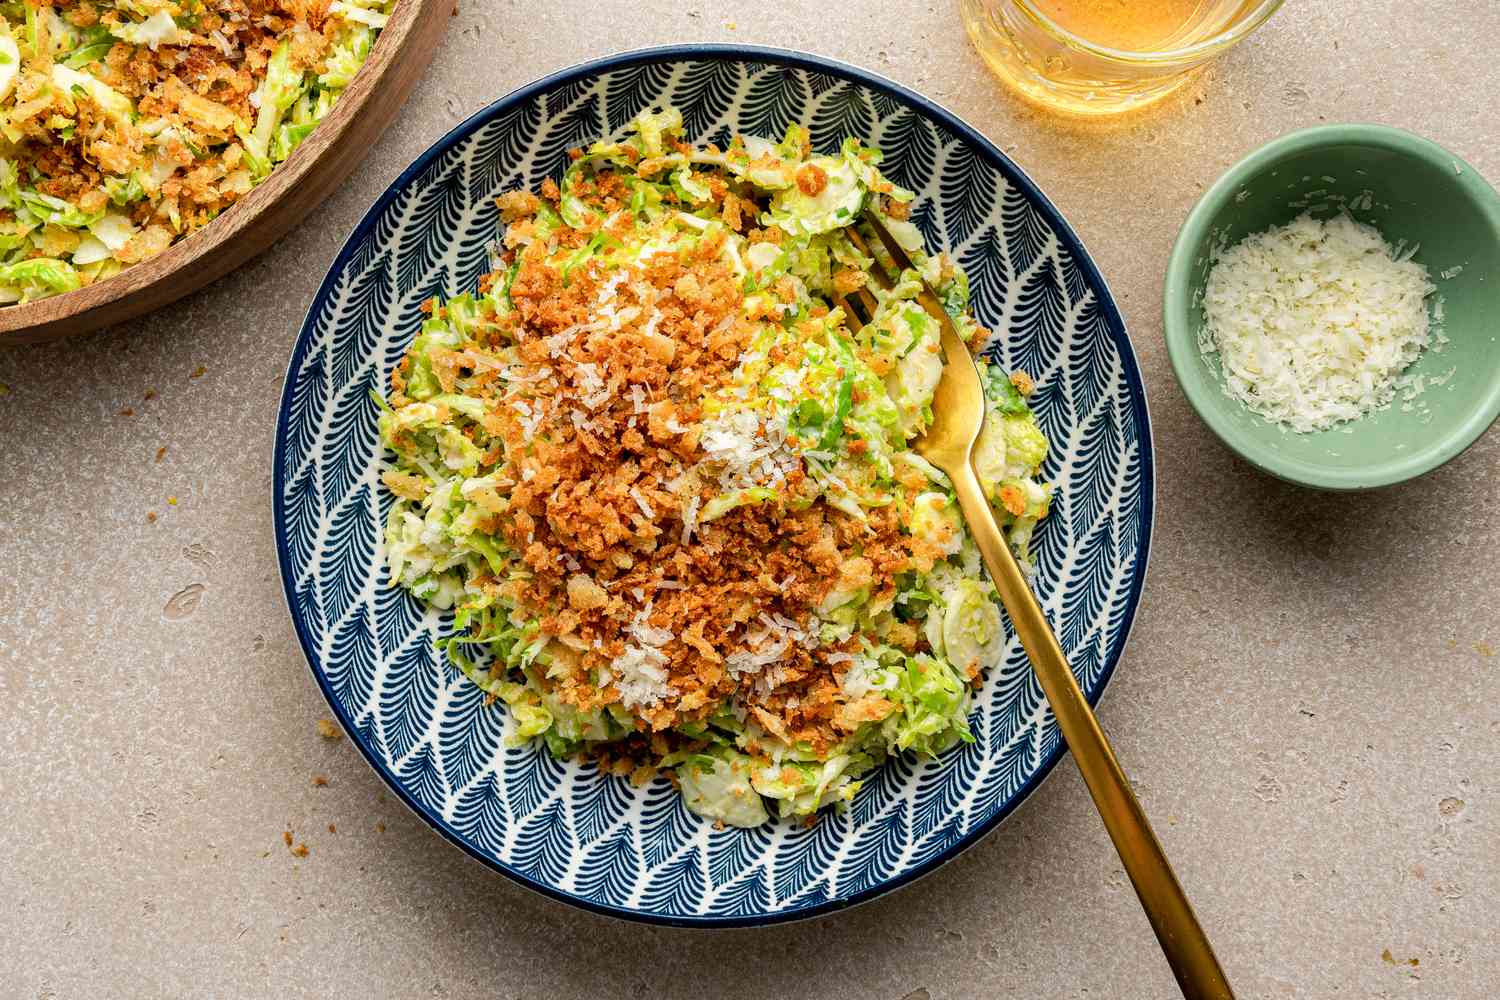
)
(1102, 57)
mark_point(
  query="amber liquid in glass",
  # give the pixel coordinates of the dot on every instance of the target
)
(1038, 59)
(1132, 25)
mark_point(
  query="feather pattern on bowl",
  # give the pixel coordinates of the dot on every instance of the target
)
(562, 828)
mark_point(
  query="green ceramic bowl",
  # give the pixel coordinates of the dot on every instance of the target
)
(1417, 191)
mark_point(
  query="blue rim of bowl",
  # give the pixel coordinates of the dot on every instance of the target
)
(1182, 349)
(935, 113)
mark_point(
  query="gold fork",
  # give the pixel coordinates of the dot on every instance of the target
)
(958, 416)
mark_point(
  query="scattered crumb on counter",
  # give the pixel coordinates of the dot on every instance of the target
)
(332, 828)
(150, 517)
(199, 372)
(319, 781)
(300, 851)
(380, 828)
(328, 730)
(161, 453)
(150, 395)
(286, 837)
(1484, 649)
(127, 412)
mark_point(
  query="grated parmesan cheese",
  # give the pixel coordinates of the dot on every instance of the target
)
(640, 672)
(1313, 322)
(640, 501)
(689, 519)
(753, 450)
(641, 675)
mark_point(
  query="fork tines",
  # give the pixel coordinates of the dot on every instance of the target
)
(859, 305)
(898, 254)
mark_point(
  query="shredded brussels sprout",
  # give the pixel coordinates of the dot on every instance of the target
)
(669, 490)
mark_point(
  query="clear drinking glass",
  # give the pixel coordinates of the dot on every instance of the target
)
(1101, 57)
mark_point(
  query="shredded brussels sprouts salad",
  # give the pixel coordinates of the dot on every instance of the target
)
(128, 124)
(670, 493)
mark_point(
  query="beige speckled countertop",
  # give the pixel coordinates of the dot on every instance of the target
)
(1310, 705)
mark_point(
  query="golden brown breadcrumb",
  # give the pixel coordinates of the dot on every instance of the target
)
(596, 493)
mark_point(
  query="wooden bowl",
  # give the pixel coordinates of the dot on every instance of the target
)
(295, 187)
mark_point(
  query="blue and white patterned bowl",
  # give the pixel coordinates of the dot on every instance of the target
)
(561, 828)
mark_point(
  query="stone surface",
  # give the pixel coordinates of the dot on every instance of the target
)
(1308, 706)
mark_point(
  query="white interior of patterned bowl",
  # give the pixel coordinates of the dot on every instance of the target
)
(562, 827)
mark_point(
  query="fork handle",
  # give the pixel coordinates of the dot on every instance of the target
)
(1182, 939)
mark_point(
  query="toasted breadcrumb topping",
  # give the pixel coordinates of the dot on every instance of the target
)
(668, 488)
(601, 491)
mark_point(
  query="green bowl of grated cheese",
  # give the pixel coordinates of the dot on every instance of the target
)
(1332, 307)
